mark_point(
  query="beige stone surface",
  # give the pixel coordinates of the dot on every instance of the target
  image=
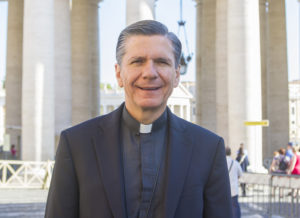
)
(236, 73)
(63, 68)
(222, 70)
(206, 64)
(263, 46)
(276, 91)
(38, 81)
(244, 72)
(85, 60)
(13, 83)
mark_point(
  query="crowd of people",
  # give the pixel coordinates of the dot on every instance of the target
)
(286, 161)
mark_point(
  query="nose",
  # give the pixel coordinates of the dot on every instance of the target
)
(149, 70)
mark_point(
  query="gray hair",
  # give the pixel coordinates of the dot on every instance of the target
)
(147, 28)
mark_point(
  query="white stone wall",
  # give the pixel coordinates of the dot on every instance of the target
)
(294, 111)
(2, 115)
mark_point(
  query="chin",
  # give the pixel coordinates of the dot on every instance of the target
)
(151, 105)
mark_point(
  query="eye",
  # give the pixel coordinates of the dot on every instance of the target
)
(162, 61)
(137, 61)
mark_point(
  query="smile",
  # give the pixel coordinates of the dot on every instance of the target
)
(149, 88)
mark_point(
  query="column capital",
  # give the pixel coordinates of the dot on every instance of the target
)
(263, 1)
(198, 2)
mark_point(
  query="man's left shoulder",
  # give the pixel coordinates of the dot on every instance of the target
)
(198, 132)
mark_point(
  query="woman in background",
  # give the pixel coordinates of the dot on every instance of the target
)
(294, 167)
(242, 158)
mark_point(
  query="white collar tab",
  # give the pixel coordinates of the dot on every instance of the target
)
(145, 128)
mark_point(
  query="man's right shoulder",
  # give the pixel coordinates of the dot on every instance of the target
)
(93, 124)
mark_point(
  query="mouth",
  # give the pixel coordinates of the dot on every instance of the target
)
(149, 88)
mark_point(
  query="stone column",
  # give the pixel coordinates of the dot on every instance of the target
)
(222, 126)
(104, 109)
(13, 83)
(85, 60)
(171, 107)
(263, 7)
(236, 78)
(188, 112)
(63, 72)
(139, 10)
(181, 111)
(277, 78)
(244, 77)
(206, 64)
(38, 81)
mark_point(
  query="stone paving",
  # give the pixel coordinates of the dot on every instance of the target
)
(15, 203)
(22, 203)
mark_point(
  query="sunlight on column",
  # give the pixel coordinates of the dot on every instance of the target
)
(39, 90)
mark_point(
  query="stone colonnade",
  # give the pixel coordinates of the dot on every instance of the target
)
(53, 70)
(241, 73)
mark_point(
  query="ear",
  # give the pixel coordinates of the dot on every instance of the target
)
(118, 74)
(177, 76)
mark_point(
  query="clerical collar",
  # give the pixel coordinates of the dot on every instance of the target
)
(137, 127)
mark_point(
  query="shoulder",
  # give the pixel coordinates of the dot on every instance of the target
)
(90, 126)
(193, 129)
(206, 144)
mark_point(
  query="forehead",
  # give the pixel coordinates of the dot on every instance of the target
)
(148, 45)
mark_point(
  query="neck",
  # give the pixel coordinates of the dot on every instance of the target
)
(145, 116)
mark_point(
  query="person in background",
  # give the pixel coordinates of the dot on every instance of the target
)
(280, 162)
(294, 167)
(289, 150)
(274, 167)
(242, 158)
(235, 172)
(13, 151)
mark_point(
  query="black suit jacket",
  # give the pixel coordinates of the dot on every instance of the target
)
(88, 181)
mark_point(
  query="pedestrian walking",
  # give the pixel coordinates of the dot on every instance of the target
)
(243, 160)
(235, 172)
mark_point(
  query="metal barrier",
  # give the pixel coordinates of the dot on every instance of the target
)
(271, 194)
(25, 174)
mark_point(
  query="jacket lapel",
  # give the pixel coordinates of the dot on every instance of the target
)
(109, 157)
(179, 156)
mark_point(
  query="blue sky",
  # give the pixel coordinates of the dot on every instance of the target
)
(112, 21)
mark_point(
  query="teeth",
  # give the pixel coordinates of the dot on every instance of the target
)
(149, 88)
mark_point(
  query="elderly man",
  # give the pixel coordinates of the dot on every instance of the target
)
(141, 160)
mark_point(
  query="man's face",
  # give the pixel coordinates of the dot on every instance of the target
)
(147, 72)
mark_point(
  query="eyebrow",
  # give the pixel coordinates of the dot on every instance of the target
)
(167, 60)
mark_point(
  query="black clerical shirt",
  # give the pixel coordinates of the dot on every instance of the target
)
(144, 156)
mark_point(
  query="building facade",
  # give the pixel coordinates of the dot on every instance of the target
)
(294, 111)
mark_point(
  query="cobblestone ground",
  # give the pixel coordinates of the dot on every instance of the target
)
(31, 204)
(22, 203)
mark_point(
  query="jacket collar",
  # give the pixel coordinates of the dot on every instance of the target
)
(109, 158)
(108, 150)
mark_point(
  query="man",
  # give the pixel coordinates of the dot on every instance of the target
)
(289, 150)
(235, 172)
(141, 160)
